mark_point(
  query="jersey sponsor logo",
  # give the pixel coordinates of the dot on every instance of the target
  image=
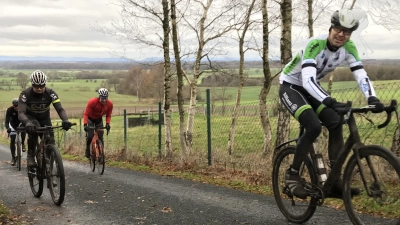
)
(293, 107)
(23, 98)
(323, 55)
(365, 86)
(53, 96)
(313, 47)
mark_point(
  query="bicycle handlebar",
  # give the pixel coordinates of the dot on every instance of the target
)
(388, 109)
(98, 128)
(41, 129)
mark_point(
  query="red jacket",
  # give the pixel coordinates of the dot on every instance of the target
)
(95, 110)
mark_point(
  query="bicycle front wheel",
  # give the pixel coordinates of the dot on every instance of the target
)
(377, 176)
(294, 209)
(35, 182)
(92, 159)
(55, 175)
(100, 158)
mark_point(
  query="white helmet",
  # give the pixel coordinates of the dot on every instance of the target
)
(347, 18)
(38, 78)
(103, 93)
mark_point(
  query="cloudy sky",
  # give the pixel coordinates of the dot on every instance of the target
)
(63, 28)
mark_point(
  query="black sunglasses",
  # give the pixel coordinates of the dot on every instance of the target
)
(38, 86)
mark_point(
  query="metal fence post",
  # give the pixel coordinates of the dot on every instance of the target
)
(125, 129)
(159, 129)
(208, 126)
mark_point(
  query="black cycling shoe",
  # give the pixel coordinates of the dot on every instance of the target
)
(293, 181)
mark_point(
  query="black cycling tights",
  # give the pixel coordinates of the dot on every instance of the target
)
(312, 124)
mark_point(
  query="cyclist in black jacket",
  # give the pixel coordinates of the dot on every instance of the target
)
(11, 123)
(34, 110)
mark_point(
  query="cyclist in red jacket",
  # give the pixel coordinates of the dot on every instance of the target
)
(96, 108)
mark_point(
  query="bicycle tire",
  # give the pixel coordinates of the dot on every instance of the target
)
(18, 157)
(100, 158)
(35, 182)
(386, 192)
(303, 210)
(55, 175)
(92, 159)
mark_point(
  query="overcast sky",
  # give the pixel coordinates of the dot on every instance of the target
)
(63, 28)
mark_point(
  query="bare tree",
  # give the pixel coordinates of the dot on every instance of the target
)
(242, 31)
(22, 80)
(282, 133)
(180, 75)
(262, 99)
(145, 25)
(207, 31)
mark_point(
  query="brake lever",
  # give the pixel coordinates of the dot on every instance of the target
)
(389, 109)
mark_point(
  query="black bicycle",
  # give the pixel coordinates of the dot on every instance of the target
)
(49, 166)
(373, 169)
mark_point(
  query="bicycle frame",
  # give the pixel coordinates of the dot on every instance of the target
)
(95, 138)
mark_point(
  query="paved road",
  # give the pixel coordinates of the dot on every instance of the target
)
(128, 197)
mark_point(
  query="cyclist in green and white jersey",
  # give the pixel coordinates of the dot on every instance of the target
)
(310, 104)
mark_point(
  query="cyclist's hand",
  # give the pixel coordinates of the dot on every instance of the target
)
(85, 127)
(108, 127)
(8, 130)
(66, 125)
(374, 101)
(332, 103)
(30, 127)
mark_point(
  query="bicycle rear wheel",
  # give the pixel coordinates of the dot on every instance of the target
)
(100, 158)
(383, 199)
(55, 175)
(294, 209)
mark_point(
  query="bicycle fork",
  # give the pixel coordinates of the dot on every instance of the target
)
(372, 193)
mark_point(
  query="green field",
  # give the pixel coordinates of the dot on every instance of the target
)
(75, 93)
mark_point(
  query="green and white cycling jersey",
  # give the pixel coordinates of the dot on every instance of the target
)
(318, 58)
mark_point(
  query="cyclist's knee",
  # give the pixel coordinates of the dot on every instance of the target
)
(310, 121)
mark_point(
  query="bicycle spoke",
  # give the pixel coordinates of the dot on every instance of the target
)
(378, 178)
(294, 209)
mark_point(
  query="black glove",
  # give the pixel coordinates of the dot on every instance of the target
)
(30, 127)
(66, 125)
(372, 100)
(8, 130)
(332, 103)
(108, 127)
(85, 127)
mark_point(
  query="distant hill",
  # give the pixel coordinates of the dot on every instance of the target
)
(60, 59)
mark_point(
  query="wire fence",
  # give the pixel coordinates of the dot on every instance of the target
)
(136, 136)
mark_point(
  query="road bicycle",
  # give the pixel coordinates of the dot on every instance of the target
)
(373, 169)
(49, 166)
(97, 155)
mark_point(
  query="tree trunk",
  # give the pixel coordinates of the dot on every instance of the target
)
(267, 147)
(282, 133)
(231, 138)
(167, 82)
(180, 77)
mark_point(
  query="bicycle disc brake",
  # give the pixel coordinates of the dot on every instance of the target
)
(378, 192)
